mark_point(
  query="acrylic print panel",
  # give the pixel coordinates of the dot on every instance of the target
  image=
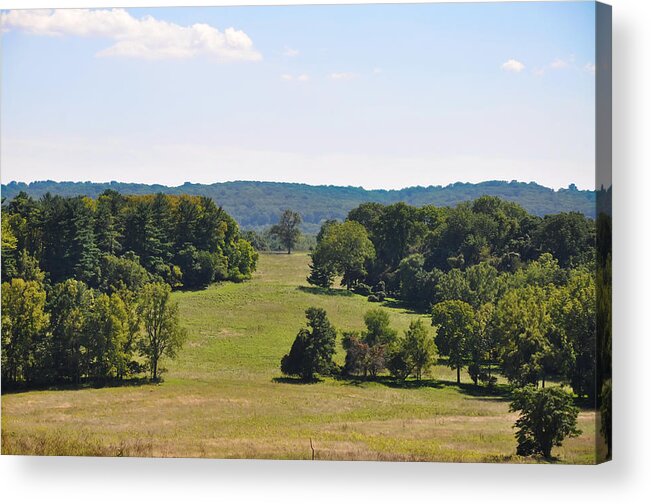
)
(360, 232)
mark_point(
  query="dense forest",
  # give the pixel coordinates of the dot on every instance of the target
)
(506, 290)
(256, 205)
(87, 282)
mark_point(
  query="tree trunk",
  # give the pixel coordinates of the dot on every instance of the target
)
(458, 375)
(543, 382)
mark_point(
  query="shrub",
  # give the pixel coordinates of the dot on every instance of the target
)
(362, 289)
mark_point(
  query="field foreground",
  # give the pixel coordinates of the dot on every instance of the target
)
(224, 397)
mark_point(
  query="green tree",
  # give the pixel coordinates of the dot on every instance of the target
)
(287, 230)
(107, 225)
(569, 237)
(119, 273)
(313, 347)
(417, 286)
(24, 322)
(579, 312)
(108, 333)
(83, 253)
(70, 304)
(378, 328)
(419, 348)
(455, 323)
(343, 249)
(547, 417)
(164, 335)
(483, 345)
(9, 245)
(524, 322)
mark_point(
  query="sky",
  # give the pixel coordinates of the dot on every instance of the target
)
(377, 96)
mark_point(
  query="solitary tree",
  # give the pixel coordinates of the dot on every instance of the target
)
(287, 230)
(547, 417)
(313, 347)
(164, 335)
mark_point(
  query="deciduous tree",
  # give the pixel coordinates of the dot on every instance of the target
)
(164, 335)
(547, 417)
(287, 230)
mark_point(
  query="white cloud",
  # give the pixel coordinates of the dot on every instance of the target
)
(144, 38)
(291, 53)
(513, 65)
(591, 68)
(538, 72)
(299, 78)
(342, 75)
(558, 64)
(377, 70)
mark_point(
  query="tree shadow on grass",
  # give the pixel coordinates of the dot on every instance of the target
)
(84, 384)
(494, 393)
(295, 381)
(399, 305)
(322, 291)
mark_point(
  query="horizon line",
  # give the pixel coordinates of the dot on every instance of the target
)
(570, 186)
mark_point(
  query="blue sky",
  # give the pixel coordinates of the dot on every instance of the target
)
(379, 96)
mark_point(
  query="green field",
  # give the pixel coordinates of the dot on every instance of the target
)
(224, 396)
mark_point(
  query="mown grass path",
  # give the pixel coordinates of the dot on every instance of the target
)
(224, 396)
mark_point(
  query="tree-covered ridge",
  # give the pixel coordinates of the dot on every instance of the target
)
(256, 205)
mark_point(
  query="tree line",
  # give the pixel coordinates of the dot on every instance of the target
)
(184, 241)
(86, 291)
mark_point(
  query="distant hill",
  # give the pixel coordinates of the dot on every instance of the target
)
(256, 205)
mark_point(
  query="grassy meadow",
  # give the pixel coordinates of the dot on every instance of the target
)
(224, 396)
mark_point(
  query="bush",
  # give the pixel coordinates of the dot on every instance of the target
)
(373, 298)
(547, 417)
(362, 289)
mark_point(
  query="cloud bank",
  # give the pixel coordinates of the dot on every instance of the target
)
(143, 38)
